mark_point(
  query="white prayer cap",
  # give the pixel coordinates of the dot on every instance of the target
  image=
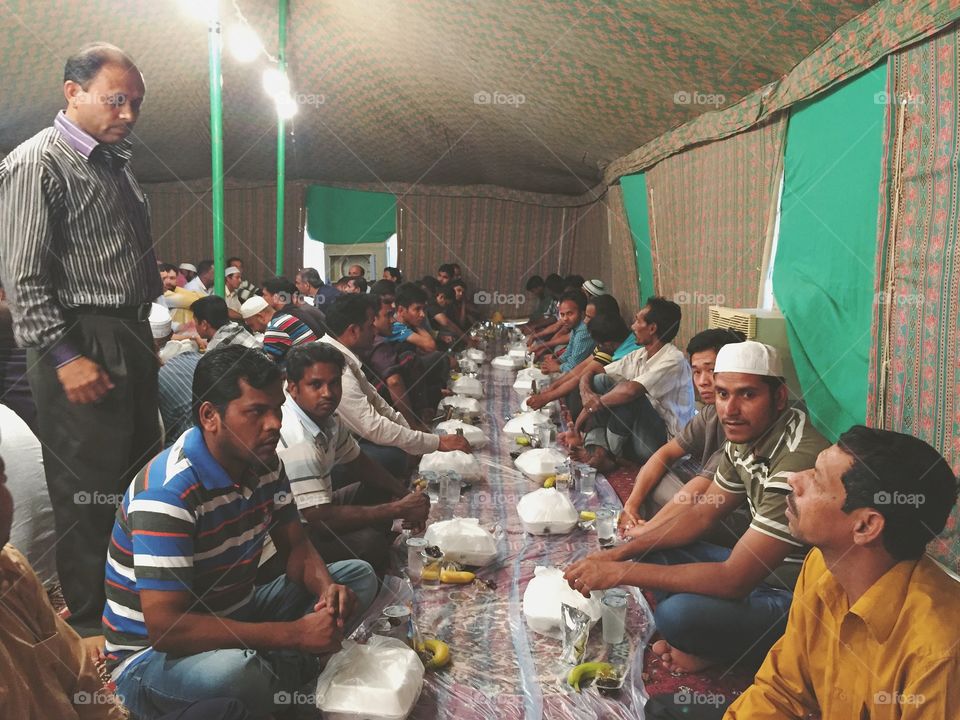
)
(231, 271)
(252, 306)
(594, 288)
(160, 325)
(750, 357)
(188, 266)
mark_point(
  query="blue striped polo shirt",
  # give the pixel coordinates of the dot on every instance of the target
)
(185, 525)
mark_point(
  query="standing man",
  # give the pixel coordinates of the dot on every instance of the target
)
(74, 222)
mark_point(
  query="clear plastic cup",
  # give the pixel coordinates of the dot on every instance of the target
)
(415, 546)
(588, 480)
(430, 575)
(547, 434)
(606, 527)
(450, 488)
(613, 614)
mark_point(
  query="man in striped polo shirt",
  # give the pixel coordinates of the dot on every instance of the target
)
(717, 605)
(183, 619)
(78, 264)
(281, 331)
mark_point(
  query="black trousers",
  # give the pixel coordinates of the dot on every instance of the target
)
(92, 452)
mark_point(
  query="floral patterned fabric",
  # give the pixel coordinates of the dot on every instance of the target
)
(915, 366)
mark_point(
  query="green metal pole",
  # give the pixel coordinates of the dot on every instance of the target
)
(216, 152)
(281, 135)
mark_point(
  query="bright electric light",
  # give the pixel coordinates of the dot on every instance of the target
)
(244, 43)
(206, 10)
(276, 83)
(286, 107)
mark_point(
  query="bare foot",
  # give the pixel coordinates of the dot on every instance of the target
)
(598, 458)
(677, 661)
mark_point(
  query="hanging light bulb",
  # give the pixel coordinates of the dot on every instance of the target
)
(244, 43)
(286, 107)
(276, 83)
(206, 10)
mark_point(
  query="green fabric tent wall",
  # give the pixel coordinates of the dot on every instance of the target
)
(824, 269)
(635, 203)
(338, 216)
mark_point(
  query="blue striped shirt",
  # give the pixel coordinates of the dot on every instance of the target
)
(185, 525)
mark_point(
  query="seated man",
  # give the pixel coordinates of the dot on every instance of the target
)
(409, 326)
(214, 324)
(281, 331)
(46, 671)
(660, 478)
(872, 632)
(233, 277)
(715, 604)
(440, 313)
(355, 521)
(351, 285)
(574, 314)
(183, 620)
(385, 435)
(283, 296)
(392, 274)
(543, 345)
(177, 299)
(647, 396)
(546, 324)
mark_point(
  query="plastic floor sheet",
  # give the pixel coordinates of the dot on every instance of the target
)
(501, 669)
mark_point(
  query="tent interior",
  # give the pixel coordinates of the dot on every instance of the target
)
(795, 161)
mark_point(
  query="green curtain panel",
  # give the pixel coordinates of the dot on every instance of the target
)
(338, 216)
(915, 372)
(635, 203)
(823, 276)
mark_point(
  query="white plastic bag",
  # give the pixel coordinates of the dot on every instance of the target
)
(506, 362)
(463, 540)
(468, 386)
(456, 461)
(523, 385)
(540, 463)
(552, 408)
(547, 511)
(462, 402)
(379, 681)
(477, 355)
(544, 596)
(472, 433)
(527, 422)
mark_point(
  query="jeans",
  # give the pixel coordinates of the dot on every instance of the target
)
(729, 631)
(159, 684)
(636, 421)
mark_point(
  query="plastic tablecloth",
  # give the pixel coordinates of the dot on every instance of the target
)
(501, 669)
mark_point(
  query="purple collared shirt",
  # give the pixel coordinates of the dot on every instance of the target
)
(77, 138)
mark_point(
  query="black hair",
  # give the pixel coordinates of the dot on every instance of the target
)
(384, 288)
(211, 308)
(430, 283)
(905, 480)
(279, 285)
(167, 267)
(232, 260)
(84, 65)
(447, 292)
(394, 273)
(665, 314)
(605, 305)
(713, 339)
(311, 277)
(446, 268)
(574, 281)
(409, 293)
(554, 284)
(203, 266)
(534, 282)
(219, 372)
(607, 327)
(458, 282)
(349, 309)
(305, 356)
(359, 282)
(575, 296)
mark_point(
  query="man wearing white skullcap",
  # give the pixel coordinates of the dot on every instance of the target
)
(714, 604)
(162, 330)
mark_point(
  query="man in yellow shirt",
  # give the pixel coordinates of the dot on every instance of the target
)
(872, 633)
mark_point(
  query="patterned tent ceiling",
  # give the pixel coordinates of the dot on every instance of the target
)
(534, 95)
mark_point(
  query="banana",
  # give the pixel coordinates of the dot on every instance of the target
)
(587, 515)
(550, 482)
(430, 575)
(456, 577)
(523, 440)
(434, 653)
(589, 670)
